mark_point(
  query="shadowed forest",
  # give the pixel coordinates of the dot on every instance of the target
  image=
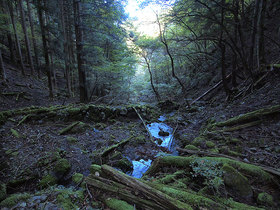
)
(98, 114)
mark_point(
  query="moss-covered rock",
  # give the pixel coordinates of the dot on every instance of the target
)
(198, 141)
(265, 199)
(62, 166)
(117, 204)
(3, 192)
(69, 199)
(71, 140)
(124, 164)
(210, 144)
(47, 181)
(138, 140)
(77, 178)
(13, 199)
(236, 181)
(191, 147)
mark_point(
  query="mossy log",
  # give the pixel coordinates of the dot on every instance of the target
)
(111, 148)
(133, 190)
(250, 116)
(239, 127)
(184, 162)
(95, 113)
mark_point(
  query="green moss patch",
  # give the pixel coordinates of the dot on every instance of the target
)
(77, 178)
(116, 204)
(191, 147)
(265, 199)
(3, 191)
(12, 200)
(47, 181)
(62, 166)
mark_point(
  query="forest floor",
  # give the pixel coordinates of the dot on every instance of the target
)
(37, 152)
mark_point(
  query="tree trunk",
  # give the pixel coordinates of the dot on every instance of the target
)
(11, 47)
(223, 51)
(23, 24)
(261, 45)
(79, 46)
(151, 79)
(253, 34)
(33, 39)
(2, 68)
(66, 47)
(10, 8)
(45, 47)
(164, 41)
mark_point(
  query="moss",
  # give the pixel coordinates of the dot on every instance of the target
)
(71, 139)
(265, 199)
(210, 144)
(94, 169)
(77, 178)
(214, 150)
(62, 166)
(236, 181)
(67, 198)
(184, 162)
(116, 204)
(191, 198)
(198, 141)
(14, 199)
(167, 179)
(124, 164)
(15, 133)
(47, 181)
(139, 140)
(3, 191)
(191, 147)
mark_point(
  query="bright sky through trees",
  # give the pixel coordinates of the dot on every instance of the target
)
(143, 19)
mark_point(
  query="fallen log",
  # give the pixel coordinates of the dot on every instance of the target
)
(239, 127)
(133, 190)
(209, 154)
(250, 116)
(210, 90)
(108, 150)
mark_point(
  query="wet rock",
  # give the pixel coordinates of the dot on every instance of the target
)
(163, 133)
(124, 164)
(237, 182)
(265, 199)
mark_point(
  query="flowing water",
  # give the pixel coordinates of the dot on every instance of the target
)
(141, 166)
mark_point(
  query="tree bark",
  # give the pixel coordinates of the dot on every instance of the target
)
(45, 47)
(33, 39)
(261, 45)
(66, 47)
(253, 34)
(164, 42)
(151, 78)
(79, 46)
(223, 51)
(10, 8)
(27, 43)
(2, 68)
(11, 47)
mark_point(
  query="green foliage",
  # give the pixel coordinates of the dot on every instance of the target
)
(210, 170)
(14, 199)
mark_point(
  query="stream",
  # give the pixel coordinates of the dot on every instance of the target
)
(164, 138)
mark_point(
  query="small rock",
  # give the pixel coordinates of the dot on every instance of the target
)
(163, 133)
